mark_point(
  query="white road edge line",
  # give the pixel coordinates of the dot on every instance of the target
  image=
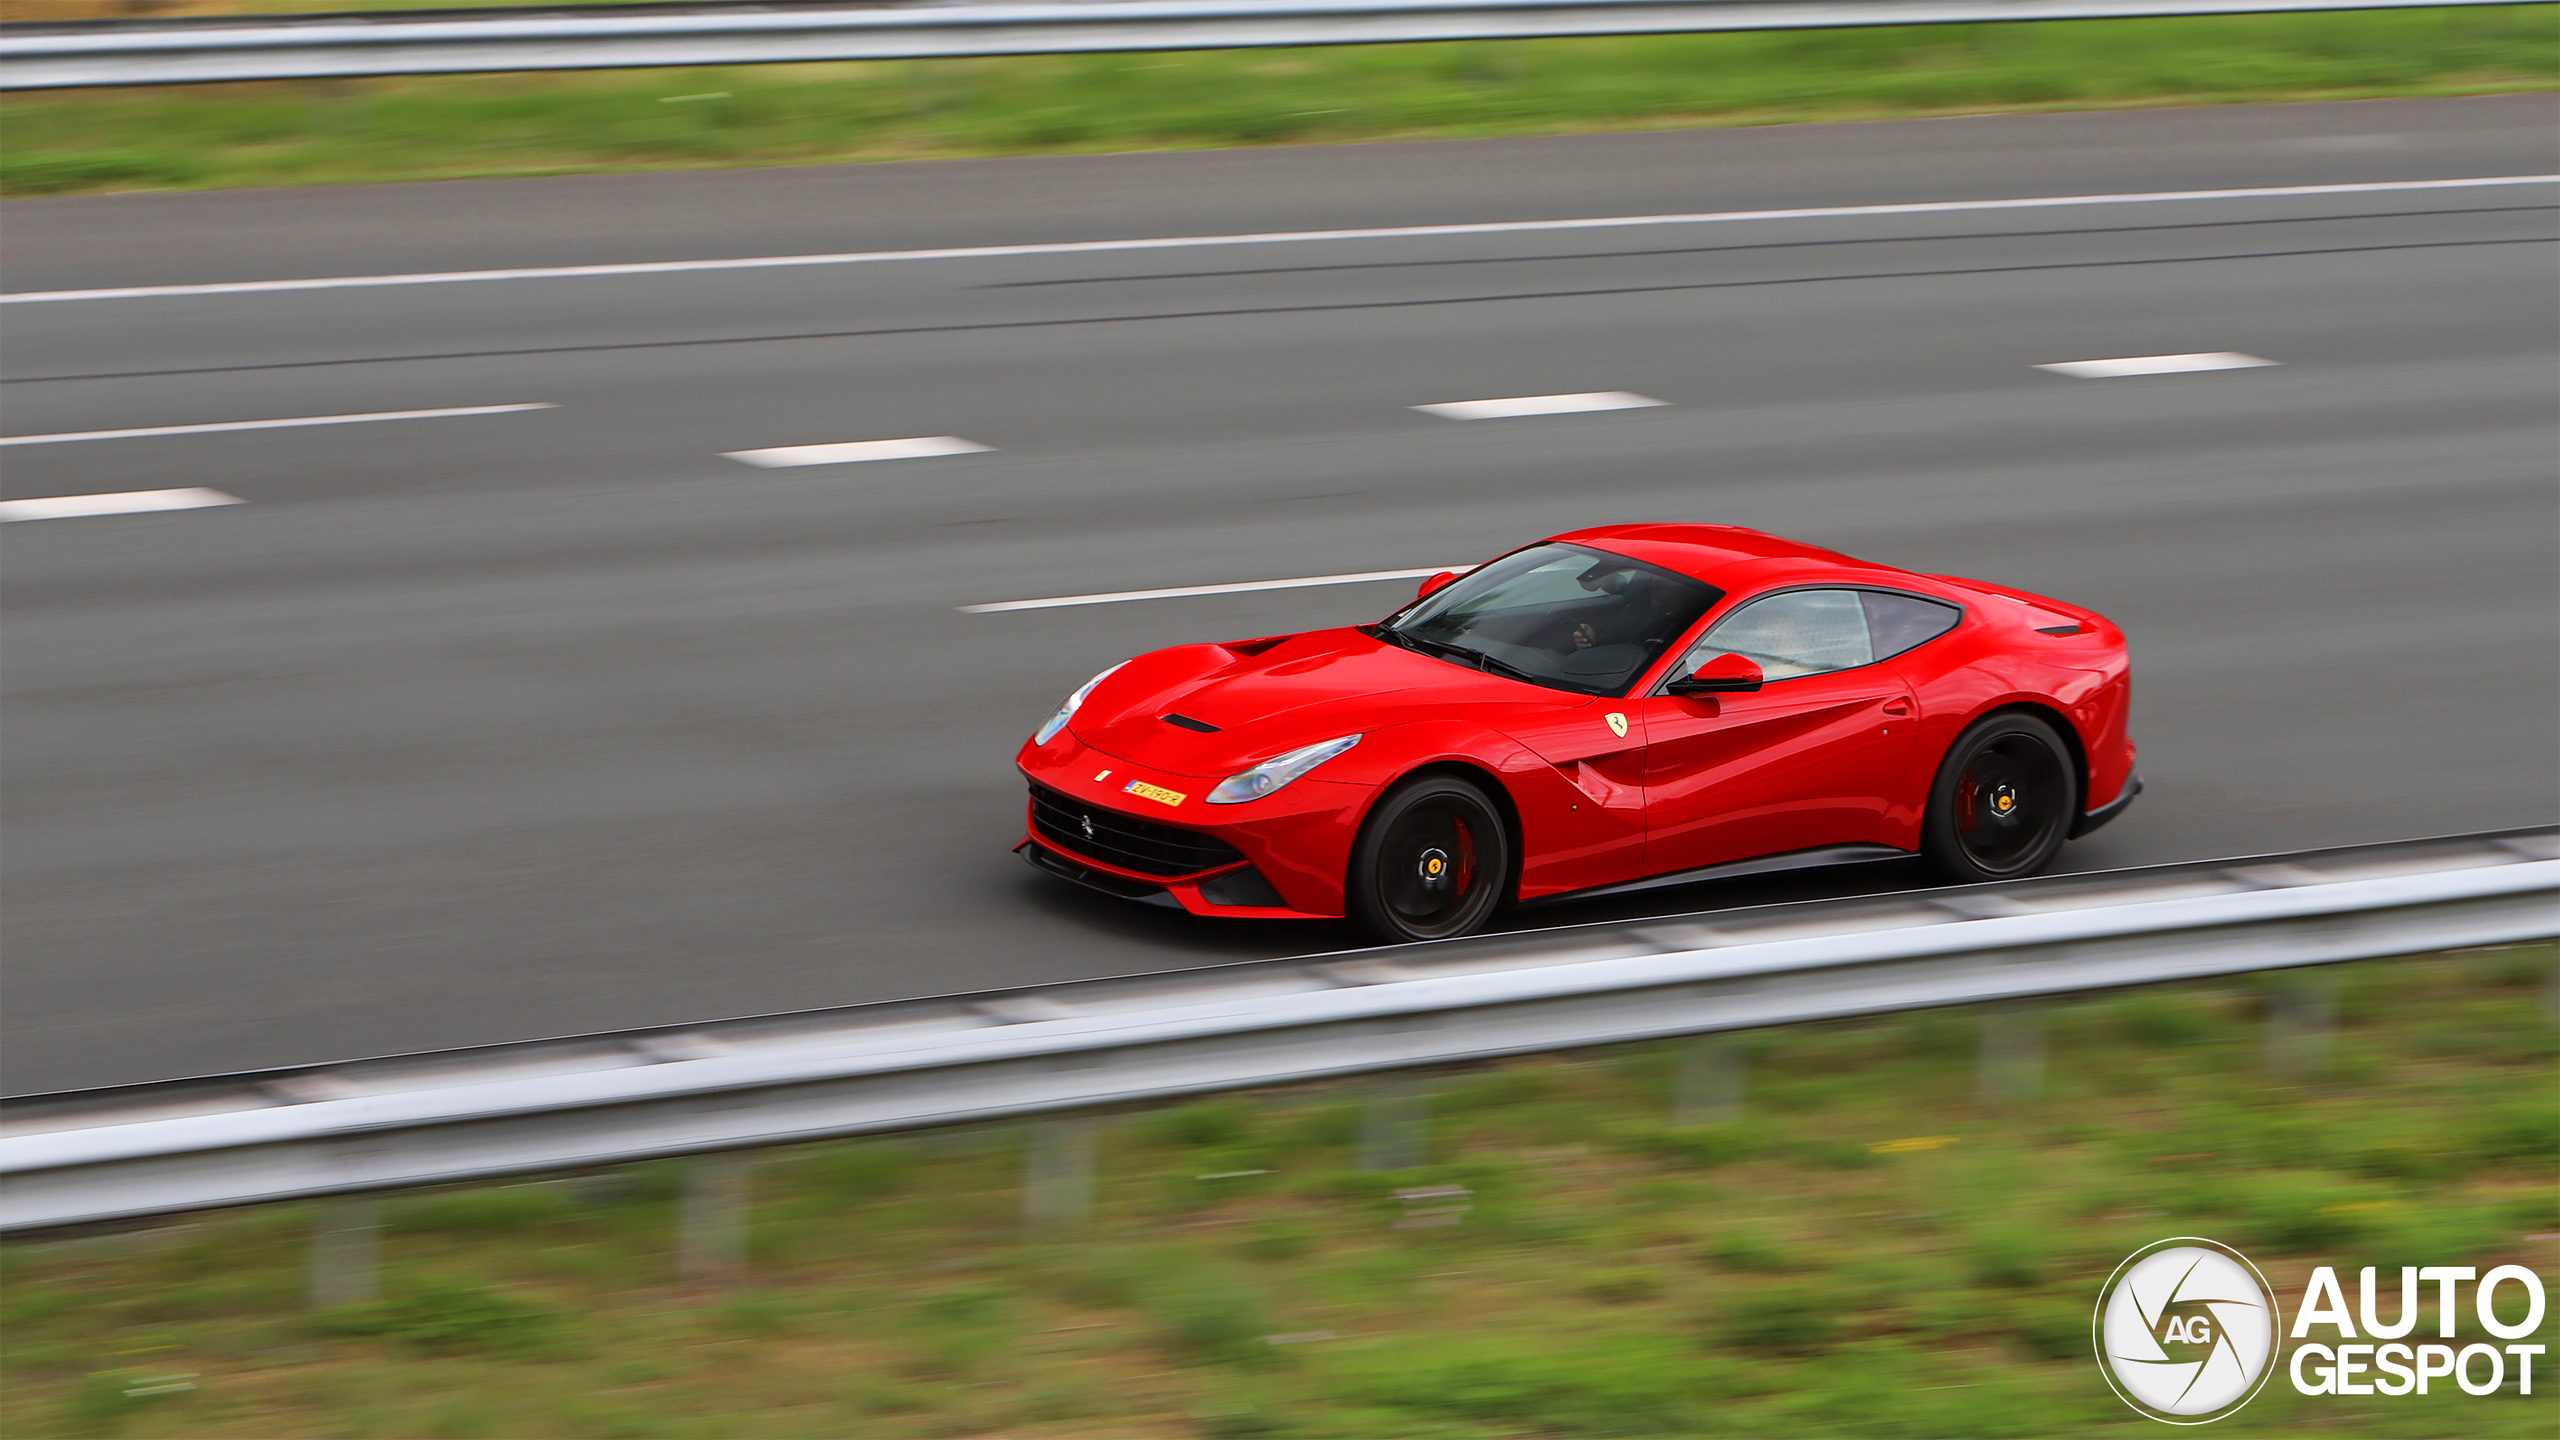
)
(1519, 405)
(1179, 591)
(1277, 237)
(855, 451)
(2157, 365)
(221, 426)
(129, 502)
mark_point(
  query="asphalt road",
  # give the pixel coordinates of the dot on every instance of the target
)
(482, 728)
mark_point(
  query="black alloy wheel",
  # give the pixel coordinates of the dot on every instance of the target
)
(2003, 801)
(1432, 861)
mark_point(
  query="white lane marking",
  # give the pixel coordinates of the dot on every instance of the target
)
(129, 502)
(295, 423)
(855, 451)
(1541, 405)
(1275, 237)
(1114, 596)
(2156, 365)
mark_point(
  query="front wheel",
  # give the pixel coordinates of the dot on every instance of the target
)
(2003, 801)
(1430, 863)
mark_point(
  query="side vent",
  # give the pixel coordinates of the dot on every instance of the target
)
(2060, 629)
(1187, 723)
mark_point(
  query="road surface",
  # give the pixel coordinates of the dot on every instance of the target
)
(476, 727)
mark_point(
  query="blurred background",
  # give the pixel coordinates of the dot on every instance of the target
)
(490, 697)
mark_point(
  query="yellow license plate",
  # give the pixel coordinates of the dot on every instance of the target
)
(1157, 793)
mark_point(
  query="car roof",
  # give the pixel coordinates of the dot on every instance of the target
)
(1731, 557)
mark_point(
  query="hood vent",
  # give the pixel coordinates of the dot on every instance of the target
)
(1187, 723)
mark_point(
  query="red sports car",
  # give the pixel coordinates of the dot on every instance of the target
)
(1609, 710)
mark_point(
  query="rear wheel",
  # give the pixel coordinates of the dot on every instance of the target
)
(1431, 861)
(2003, 801)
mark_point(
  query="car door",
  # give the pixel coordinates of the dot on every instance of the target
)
(1811, 759)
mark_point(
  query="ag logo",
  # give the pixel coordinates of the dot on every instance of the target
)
(1617, 724)
(2186, 1331)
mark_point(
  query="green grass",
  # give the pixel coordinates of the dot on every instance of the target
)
(1606, 1273)
(426, 128)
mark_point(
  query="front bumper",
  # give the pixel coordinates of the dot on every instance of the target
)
(1281, 857)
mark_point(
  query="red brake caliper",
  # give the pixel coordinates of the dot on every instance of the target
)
(1466, 858)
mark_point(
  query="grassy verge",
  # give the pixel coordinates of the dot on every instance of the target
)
(1865, 1253)
(198, 137)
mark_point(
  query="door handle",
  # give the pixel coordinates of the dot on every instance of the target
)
(1897, 707)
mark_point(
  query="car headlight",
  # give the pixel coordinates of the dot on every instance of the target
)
(1058, 721)
(1273, 773)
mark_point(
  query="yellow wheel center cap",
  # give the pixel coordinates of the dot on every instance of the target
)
(1434, 867)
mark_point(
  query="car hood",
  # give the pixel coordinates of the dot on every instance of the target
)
(1298, 691)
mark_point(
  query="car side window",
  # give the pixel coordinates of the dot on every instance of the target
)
(1796, 632)
(1896, 623)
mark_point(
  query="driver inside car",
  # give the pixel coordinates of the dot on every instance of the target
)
(1647, 602)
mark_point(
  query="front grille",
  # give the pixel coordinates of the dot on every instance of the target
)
(1125, 840)
(1043, 858)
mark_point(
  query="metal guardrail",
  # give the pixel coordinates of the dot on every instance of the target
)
(575, 1103)
(177, 52)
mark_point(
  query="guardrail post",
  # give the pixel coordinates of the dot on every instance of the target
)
(346, 1251)
(2011, 1071)
(1706, 1087)
(711, 1223)
(2302, 1010)
(1057, 1180)
(1395, 1124)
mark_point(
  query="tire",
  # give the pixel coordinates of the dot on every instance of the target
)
(1432, 861)
(2003, 801)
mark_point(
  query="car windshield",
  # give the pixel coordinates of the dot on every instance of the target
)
(1562, 616)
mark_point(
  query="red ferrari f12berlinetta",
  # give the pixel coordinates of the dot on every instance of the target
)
(1612, 709)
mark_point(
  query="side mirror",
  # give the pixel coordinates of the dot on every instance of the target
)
(1724, 675)
(1435, 582)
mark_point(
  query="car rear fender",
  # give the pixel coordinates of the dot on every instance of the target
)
(2063, 725)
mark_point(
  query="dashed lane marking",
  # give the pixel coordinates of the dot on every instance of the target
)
(129, 502)
(1541, 405)
(854, 452)
(2156, 365)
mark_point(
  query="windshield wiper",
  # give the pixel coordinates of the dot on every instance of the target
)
(1423, 646)
(1402, 641)
(1465, 655)
(1491, 666)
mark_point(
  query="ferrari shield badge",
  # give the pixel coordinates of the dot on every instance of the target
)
(1617, 724)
